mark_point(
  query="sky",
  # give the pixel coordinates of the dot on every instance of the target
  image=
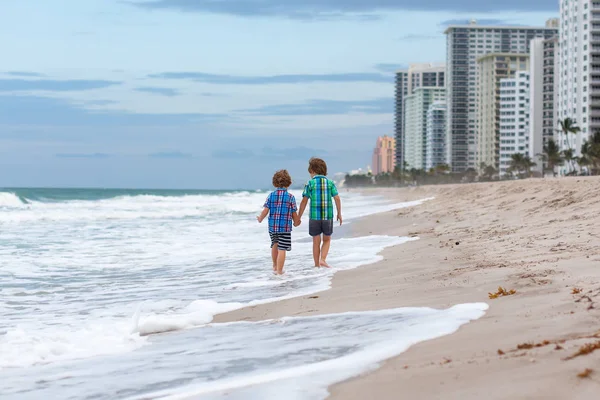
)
(213, 94)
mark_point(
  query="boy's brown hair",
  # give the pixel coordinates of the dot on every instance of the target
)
(317, 166)
(282, 179)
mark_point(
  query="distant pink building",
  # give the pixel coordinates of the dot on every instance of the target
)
(383, 155)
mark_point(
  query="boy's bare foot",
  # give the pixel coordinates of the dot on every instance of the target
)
(324, 264)
(274, 268)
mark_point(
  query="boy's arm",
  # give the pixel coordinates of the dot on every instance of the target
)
(262, 215)
(303, 204)
(296, 219)
(338, 205)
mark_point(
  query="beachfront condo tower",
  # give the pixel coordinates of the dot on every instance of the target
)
(417, 75)
(491, 114)
(384, 160)
(542, 85)
(415, 132)
(435, 153)
(578, 55)
(464, 45)
(514, 119)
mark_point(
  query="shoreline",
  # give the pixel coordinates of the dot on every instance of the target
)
(534, 236)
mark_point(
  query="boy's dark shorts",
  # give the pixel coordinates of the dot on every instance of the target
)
(283, 240)
(317, 227)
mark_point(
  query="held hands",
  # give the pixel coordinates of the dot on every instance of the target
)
(339, 218)
(297, 222)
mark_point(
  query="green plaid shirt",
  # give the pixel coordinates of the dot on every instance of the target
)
(320, 191)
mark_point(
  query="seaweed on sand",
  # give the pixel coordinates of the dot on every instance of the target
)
(501, 292)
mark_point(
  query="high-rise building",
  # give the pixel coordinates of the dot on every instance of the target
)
(426, 75)
(466, 43)
(401, 93)
(578, 55)
(542, 123)
(415, 132)
(491, 113)
(514, 127)
(435, 153)
(384, 160)
(417, 75)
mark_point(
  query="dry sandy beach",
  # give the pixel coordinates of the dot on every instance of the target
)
(538, 237)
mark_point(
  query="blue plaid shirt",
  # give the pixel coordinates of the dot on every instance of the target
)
(281, 205)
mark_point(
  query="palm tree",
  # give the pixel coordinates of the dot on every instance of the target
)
(482, 167)
(397, 175)
(489, 172)
(516, 163)
(414, 174)
(585, 160)
(551, 156)
(590, 153)
(442, 168)
(470, 174)
(568, 126)
(528, 163)
(521, 164)
(569, 156)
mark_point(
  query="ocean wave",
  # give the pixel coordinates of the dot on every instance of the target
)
(14, 208)
(18, 210)
(199, 312)
(94, 195)
(89, 331)
(21, 347)
(11, 200)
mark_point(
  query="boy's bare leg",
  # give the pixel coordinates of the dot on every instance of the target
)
(280, 261)
(317, 250)
(325, 251)
(274, 252)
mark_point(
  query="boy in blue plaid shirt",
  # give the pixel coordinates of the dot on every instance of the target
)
(280, 206)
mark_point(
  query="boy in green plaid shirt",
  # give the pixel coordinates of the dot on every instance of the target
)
(321, 191)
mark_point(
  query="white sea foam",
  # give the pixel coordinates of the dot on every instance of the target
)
(291, 358)
(310, 381)
(10, 200)
(84, 278)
